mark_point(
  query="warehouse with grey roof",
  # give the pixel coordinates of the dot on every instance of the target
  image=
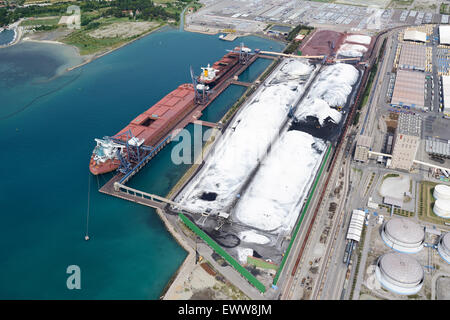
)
(409, 89)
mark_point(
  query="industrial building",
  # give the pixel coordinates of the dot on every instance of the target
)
(409, 89)
(443, 247)
(356, 225)
(394, 202)
(403, 235)
(399, 273)
(412, 57)
(444, 34)
(446, 94)
(363, 145)
(415, 35)
(438, 147)
(406, 142)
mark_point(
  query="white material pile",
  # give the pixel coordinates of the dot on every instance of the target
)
(276, 194)
(243, 253)
(254, 237)
(245, 142)
(331, 89)
(352, 50)
(358, 38)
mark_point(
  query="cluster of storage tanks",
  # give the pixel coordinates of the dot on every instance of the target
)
(397, 271)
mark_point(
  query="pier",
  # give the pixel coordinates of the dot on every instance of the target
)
(205, 123)
(241, 83)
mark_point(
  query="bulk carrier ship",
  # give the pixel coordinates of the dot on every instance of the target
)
(152, 126)
(147, 129)
(211, 76)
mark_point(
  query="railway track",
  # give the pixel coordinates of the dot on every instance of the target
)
(372, 58)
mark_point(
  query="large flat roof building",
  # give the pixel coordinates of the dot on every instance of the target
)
(446, 94)
(415, 35)
(437, 147)
(409, 89)
(363, 145)
(406, 142)
(412, 57)
(444, 34)
(356, 225)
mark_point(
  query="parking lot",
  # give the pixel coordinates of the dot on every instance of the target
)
(255, 15)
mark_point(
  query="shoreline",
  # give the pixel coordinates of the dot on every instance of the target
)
(98, 55)
(16, 39)
(174, 229)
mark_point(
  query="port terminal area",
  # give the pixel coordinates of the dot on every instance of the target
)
(169, 210)
(116, 185)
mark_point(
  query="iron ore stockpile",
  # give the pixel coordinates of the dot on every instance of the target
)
(260, 171)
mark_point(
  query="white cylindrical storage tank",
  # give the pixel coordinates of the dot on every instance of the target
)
(399, 273)
(442, 208)
(404, 235)
(443, 247)
(442, 191)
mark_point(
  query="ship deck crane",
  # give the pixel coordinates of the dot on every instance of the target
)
(135, 150)
(200, 89)
(244, 53)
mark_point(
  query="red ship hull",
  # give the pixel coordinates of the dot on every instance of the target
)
(105, 167)
(154, 124)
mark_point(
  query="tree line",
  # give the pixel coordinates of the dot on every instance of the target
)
(145, 9)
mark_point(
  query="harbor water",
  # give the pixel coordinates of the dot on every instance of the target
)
(6, 36)
(48, 121)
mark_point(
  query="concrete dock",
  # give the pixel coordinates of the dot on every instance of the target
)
(191, 117)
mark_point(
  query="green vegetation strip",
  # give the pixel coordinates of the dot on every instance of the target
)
(297, 227)
(260, 263)
(219, 250)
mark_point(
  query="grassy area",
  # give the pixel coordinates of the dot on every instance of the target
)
(397, 211)
(42, 22)
(46, 1)
(370, 183)
(426, 203)
(399, 3)
(366, 95)
(261, 263)
(390, 175)
(444, 9)
(356, 118)
(90, 45)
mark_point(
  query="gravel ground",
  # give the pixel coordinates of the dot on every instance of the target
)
(122, 29)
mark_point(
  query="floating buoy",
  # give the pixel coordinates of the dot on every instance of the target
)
(86, 238)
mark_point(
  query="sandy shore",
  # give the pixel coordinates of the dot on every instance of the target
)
(17, 36)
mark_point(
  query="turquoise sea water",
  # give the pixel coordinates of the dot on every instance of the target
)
(6, 36)
(48, 121)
